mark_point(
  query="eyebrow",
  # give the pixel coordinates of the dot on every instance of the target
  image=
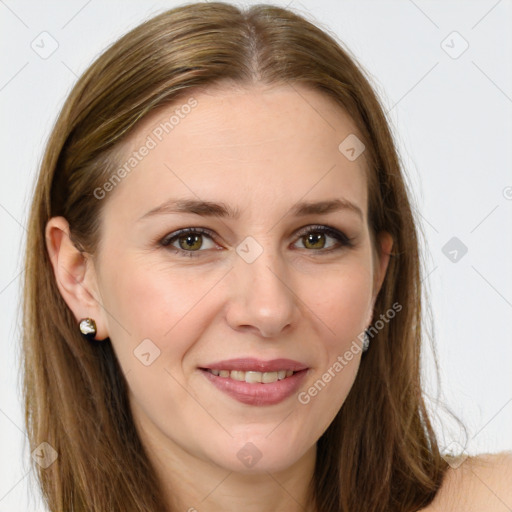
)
(213, 209)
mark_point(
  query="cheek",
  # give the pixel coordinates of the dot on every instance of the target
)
(343, 301)
(156, 302)
(157, 316)
(344, 307)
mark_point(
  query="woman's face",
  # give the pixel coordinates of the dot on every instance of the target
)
(252, 293)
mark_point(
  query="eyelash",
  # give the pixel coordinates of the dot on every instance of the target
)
(343, 240)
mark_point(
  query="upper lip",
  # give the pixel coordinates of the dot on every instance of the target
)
(258, 365)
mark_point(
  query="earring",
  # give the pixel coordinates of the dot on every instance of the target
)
(88, 327)
(366, 341)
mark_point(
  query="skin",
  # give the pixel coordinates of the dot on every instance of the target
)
(259, 149)
(475, 484)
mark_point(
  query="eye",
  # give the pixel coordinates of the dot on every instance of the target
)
(314, 237)
(190, 241)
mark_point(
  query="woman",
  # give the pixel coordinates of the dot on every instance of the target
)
(222, 296)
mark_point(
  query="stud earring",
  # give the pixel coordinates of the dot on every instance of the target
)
(88, 327)
(366, 341)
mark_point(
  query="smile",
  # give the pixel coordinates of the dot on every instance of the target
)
(254, 382)
(253, 377)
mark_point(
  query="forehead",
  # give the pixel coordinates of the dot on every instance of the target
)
(250, 147)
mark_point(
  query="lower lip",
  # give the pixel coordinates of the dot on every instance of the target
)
(257, 394)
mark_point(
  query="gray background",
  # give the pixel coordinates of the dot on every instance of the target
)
(451, 115)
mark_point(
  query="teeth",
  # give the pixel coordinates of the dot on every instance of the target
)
(253, 377)
(236, 375)
(268, 377)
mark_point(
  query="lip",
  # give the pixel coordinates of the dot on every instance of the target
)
(258, 365)
(255, 393)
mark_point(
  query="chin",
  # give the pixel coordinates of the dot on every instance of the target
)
(259, 454)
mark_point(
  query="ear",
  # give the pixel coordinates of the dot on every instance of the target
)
(385, 244)
(75, 275)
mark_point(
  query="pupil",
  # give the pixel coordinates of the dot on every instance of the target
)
(191, 240)
(315, 239)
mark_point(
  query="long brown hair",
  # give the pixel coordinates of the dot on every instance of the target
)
(380, 452)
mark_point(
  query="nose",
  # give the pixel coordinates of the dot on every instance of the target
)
(262, 298)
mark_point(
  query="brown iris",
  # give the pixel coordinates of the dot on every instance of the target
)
(314, 239)
(190, 242)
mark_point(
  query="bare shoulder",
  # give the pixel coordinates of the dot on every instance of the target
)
(479, 483)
